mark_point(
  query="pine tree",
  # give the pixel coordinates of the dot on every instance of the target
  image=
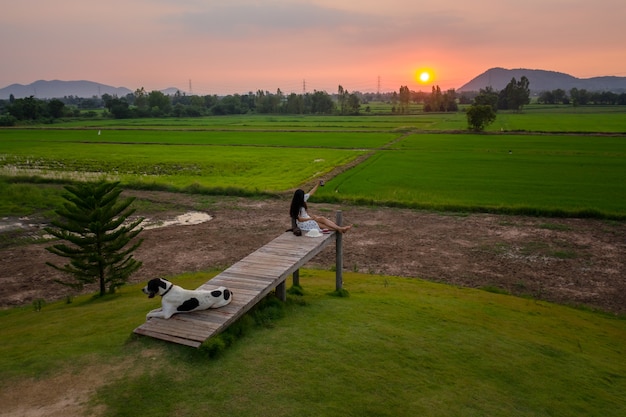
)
(92, 224)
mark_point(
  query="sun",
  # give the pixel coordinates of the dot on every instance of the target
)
(424, 75)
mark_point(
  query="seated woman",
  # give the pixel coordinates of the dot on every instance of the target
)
(304, 220)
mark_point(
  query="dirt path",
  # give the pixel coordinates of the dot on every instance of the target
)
(569, 261)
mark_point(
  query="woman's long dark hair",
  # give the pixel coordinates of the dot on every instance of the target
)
(296, 203)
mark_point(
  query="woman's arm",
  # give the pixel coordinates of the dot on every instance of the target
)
(314, 189)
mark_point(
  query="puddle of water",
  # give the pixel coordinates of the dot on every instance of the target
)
(187, 219)
(190, 218)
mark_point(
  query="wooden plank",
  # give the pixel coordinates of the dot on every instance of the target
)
(265, 274)
(156, 331)
(168, 338)
(243, 276)
(244, 288)
(180, 326)
(250, 279)
(241, 289)
(249, 272)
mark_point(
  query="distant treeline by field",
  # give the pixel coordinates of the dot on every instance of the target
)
(143, 104)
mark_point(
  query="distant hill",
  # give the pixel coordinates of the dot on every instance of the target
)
(541, 80)
(171, 91)
(58, 89)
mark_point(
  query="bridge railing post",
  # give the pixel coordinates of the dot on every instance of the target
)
(339, 254)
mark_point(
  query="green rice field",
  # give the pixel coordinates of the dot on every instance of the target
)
(545, 174)
(422, 161)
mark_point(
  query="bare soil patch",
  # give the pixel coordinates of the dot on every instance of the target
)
(568, 261)
(67, 392)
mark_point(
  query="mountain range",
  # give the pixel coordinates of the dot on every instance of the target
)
(58, 89)
(497, 78)
(541, 80)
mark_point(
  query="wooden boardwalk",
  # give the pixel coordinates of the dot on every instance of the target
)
(250, 280)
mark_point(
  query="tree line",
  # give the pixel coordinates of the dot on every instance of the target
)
(581, 97)
(142, 103)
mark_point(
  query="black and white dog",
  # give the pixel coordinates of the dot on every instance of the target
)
(175, 299)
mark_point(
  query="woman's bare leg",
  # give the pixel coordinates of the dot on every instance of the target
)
(329, 224)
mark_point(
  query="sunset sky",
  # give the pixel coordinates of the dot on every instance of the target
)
(237, 46)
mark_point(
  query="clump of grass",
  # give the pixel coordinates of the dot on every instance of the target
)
(342, 292)
(295, 290)
(38, 304)
(555, 226)
(214, 346)
(520, 285)
(531, 248)
(494, 289)
(264, 314)
(268, 311)
(564, 254)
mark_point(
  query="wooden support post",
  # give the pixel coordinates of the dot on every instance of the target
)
(281, 291)
(339, 254)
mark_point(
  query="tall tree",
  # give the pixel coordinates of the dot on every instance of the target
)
(321, 103)
(342, 97)
(55, 108)
(449, 100)
(28, 108)
(140, 99)
(515, 95)
(405, 98)
(119, 108)
(434, 102)
(479, 116)
(579, 97)
(295, 104)
(353, 104)
(158, 100)
(93, 223)
(487, 96)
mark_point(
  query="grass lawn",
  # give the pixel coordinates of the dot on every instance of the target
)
(395, 347)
